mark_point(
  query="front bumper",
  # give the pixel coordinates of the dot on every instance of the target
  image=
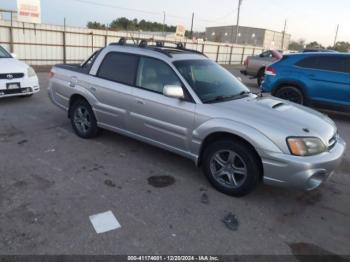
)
(28, 86)
(306, 173)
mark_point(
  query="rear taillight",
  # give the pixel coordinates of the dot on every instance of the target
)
(270, 71)
(51, 74)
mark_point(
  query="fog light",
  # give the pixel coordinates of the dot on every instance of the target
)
(316, 180)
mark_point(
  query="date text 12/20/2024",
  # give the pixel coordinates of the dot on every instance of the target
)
(173, 258)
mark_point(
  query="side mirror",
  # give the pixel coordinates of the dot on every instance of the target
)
(173, 91)
(13, 55)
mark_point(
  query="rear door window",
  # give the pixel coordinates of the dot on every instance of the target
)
(329, 63)
(119, 67)
(266, 54)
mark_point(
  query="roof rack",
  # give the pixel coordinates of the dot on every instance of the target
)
(158, 47)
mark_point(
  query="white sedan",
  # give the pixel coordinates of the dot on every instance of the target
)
(16, 77)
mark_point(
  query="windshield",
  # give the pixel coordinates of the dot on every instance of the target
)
(211, 82)
(4, 53)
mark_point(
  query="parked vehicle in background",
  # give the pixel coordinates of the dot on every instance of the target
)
(181, 101)
(255, 66)
(311, 78)
(16, 77)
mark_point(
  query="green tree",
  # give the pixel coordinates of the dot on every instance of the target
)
(95, 25)
(123, 23)
(296, 45)
(342, 46)
(314, 44)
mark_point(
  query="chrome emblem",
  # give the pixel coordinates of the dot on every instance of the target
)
(9, 76)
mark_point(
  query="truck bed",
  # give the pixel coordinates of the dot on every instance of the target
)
(73, 67)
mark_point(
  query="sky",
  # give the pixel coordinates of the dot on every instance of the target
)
(311, 20)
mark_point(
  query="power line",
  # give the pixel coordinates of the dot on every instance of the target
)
(118, 7)
(160, 13)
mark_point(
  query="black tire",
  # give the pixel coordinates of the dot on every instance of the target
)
(261, 77)
(291, 93)
(248, 158)
(84, 129)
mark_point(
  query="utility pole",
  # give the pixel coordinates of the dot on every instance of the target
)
(336, 36)
(237, 25)
(11, 33)
(284, 33)
(191, 35)
(164, 23)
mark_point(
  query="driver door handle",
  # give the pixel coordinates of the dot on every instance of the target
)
(140, 102)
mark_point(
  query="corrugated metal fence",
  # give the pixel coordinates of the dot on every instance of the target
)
(51, 44)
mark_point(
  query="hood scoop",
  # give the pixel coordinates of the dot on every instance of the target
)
(278, 105)
(275, 104)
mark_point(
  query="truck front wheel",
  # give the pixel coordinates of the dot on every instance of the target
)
(231, 167)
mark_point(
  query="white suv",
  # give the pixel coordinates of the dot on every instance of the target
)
(16, 77)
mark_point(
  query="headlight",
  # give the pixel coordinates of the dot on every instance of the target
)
(306, 146)
(31, 72)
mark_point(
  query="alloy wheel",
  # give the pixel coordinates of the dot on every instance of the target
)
(82, 119)
(228, 168)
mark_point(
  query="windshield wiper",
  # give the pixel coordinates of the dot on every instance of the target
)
(225, 98)
(216, 99)
(244, 93)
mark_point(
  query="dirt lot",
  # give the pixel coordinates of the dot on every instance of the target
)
(52, 181)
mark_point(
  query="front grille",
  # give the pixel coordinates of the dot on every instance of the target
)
(10, 76)
(332, 142)
(14, 91)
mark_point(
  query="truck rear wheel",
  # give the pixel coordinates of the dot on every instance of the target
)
(83, 119)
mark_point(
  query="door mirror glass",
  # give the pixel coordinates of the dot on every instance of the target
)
(173, 91)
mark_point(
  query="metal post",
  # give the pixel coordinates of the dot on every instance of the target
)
(203, 47)
(164, 23)
(92, 42)
(191, 35)
(284, 33)
(336, 36)
(217, 54)
(64, 43)
(231, 51)
(106, 36)
(11, 33)
(242, 58)
(238, 15)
